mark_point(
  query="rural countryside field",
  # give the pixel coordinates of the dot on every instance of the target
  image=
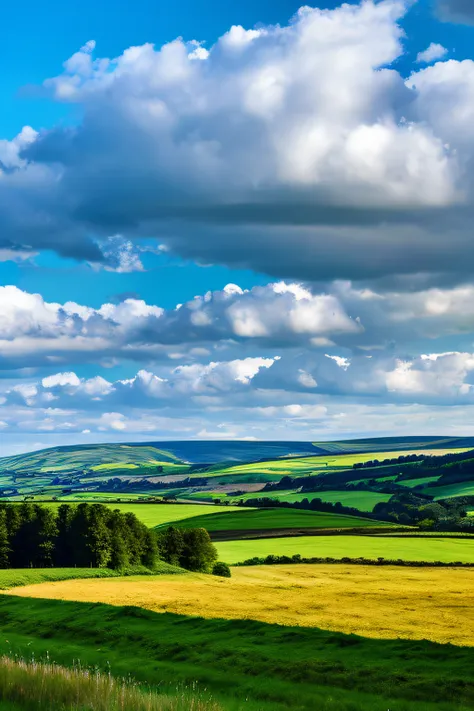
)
(344, 561)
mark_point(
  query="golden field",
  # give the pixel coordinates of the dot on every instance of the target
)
(385, 602)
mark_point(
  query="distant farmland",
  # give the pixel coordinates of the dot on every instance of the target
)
(421, 548)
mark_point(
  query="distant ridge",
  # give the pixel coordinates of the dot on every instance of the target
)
(204, 452)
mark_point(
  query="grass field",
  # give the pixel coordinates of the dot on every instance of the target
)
(35, 686)
(245, 664)
(274, 519)
(418, 549)
(12, 578)
(443, 492)
(416, 482)
(412, 603)
(362, 500)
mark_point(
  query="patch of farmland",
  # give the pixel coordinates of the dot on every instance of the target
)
(388, 602)
(400, 444)
(411, 483)
(99, 497)
(362, 500)
(447, 550)
(249, 520)
(444, 492)
(322, 464)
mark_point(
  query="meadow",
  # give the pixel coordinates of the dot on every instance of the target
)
(442, 492)
(421, 548)
(244, 664)
(362, 500)
(246, 520)
(389, 602)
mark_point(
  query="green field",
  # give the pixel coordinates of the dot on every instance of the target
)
(12, 578)
(417, 482)
(322, 464)
(362, 500)
(273, 519)
(442, 492)
(418, 549)
(246, 665)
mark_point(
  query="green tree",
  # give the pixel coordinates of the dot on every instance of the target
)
(4, 542)
(25, 541)
(221, 569)
(98, 538)
(64, 548)
(44, 532)
(171, 545)
(150, 554)
(119, 541)
(199, 554)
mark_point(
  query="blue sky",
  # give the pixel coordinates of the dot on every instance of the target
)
(324, 168)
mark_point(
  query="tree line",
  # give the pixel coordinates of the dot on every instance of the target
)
(94, 535)
(406, 507)
(86, 535)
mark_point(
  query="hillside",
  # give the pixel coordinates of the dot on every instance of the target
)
(208, 452)
(357, 473)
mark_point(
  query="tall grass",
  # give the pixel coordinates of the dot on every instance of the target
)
(44, 685)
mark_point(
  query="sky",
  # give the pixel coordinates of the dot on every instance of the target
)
(254, 223)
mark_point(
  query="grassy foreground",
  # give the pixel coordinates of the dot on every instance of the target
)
(422, 548)
(31, 685)
(380, 602)
(244, 664)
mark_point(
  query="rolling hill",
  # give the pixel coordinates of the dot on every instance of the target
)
(208, 452)
(358, 473)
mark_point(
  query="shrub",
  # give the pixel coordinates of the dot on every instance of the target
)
(221, 569)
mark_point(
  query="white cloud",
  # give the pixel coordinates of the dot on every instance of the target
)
(341, 362)
(297, 150)
(432, 54)
(61, 379)
(33, 331)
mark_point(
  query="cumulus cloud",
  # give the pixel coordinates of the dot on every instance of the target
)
(33, 331)
(242, 396)
(297, 150)
(235, 322)
(432, 53)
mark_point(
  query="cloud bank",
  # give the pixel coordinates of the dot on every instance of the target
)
(296, 150)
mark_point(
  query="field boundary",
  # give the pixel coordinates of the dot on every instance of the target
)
(298, 560)
(256, 533)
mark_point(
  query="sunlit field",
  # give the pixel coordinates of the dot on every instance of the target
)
(429, 549)
(387, 602)
(323, 463)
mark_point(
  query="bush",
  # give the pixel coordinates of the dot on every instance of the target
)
(221, 569)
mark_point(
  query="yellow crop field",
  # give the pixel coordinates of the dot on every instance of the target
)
(385, 602)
